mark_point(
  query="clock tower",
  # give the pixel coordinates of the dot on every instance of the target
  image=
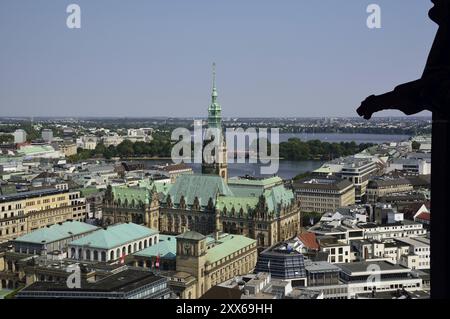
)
(191, 257)
(219, 165)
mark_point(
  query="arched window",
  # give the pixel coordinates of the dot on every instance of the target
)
(80, 253)
(111, 255)
(135, 247)
(103, 255)
(117, 253)
(95, 255)
(129, 249)
(150, 241)
(88, 254)
(145, 243)
(140, 245)
(72, 252)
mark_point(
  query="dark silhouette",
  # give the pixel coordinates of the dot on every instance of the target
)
(430, 92)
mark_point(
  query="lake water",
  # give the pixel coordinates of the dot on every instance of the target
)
(289, 169)
(345, 137)
(341, 137)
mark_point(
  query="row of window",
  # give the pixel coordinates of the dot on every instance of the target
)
(95, 256)
(12, 230)
(11, 215)
(240, 251)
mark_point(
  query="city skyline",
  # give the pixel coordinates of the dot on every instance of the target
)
(102, 71)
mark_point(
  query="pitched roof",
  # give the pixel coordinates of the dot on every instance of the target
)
(277, 197)
(261, 182)
(424, 216)
(227, 245)
(56, 232)
(202, 186)
(309, 240)
(114, 236)
(138, 194)
(193, 235)
(246, 203)
(246, 187)
(165, 248)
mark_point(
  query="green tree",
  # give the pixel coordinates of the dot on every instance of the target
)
(6, 138)
(125, 148)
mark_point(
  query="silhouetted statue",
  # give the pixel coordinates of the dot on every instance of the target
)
(430, 92)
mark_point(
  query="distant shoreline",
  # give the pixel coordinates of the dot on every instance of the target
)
(145, 158)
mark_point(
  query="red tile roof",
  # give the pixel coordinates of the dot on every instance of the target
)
(424, 216)
(309, 240)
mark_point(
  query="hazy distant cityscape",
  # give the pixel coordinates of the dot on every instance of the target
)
(149, 189)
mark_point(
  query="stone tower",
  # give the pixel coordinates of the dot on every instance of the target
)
(218, 166)
(191, 254)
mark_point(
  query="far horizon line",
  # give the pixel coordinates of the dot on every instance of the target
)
(205, 117)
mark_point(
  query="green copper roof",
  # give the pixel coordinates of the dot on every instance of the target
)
(165, 248)
(227, 245)
(266, 182)
(114, 236)
(130, 194)
(247, 193)
(246, 203)
(141, 193)
(278, 196)
(197, 185)
(35, 149)
(158, 186)
(214, 110)
(252, 187)
(56, 232)
(191, 235)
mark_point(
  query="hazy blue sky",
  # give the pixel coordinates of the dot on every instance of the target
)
(153, 58)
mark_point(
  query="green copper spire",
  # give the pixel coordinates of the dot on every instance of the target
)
(214, 110)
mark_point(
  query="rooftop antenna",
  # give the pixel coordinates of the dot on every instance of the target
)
(214, 74)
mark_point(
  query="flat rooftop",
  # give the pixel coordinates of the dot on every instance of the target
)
(365, 266)
(124, 281)
(320, 266)
(414, 241)
(322, 184)
(418, 294)
(30, 194)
